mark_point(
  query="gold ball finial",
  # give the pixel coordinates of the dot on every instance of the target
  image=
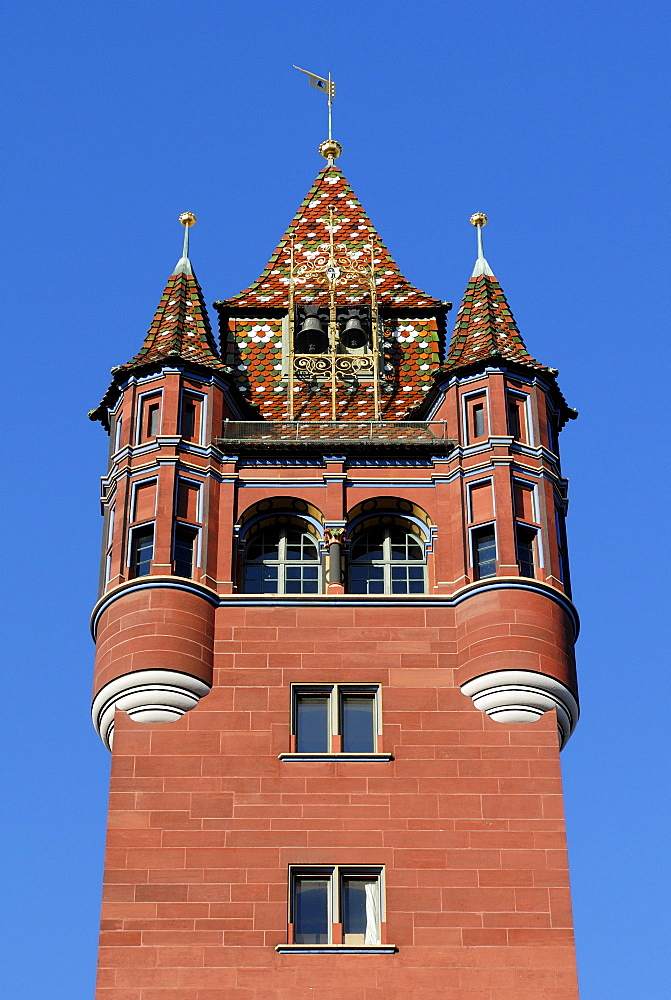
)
(479, 220)
(330, 149)
(188, 219)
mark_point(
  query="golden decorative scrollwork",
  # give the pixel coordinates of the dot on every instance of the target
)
(335, 265)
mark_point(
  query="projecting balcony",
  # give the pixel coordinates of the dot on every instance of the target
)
(405, 436)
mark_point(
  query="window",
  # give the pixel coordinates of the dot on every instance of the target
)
(387, 560)
(336, 718)
(517, 425)
(282, 560)
(479, 420)
(475, 417)
(149, 423)
(561, 541)
(526, 540)
(184, 550)
(484, 552)
(141, 550)
(190, 417)
(336, 905)
(118, 426)
(108, 543)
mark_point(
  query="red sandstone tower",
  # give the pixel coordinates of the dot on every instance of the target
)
(334, 587)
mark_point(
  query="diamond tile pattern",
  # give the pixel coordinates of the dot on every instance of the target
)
(310, 230)
(252, 347)
(485, 327)
(180, 328)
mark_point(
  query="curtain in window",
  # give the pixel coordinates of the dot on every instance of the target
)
(372, 913)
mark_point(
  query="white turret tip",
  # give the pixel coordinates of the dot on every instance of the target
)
(479, 219)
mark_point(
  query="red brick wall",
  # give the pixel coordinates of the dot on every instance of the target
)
(467, 818)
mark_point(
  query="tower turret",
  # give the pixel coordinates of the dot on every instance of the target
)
(506, 412)
(160, 499)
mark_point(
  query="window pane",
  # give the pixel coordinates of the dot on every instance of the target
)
(312, 723)
(142, 552)
(260, 579)
(357, 718)
(484, 544)
(525, 552)
(184, 548)
(188, 420)
(311, 911)
(367, 579)
(478, 420)
(152, 420)
(360, 911)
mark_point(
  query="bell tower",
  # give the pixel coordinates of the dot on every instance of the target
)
(334, 638)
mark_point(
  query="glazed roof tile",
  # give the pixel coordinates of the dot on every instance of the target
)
(485, 328)
(181, 327)
(310, 230)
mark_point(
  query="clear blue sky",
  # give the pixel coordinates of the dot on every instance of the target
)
(549, 117)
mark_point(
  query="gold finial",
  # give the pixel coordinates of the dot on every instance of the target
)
(188, 219)
(330, 149)
(479, 220)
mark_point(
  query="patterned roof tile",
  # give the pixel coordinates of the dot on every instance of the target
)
(310, 230)
(181, 327)
(485, 328)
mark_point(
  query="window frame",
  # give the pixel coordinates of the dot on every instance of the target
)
(387, 563)
(144, 400)
(335, 876)
(334, 693)
(200, 399)
(480, 529)
(282, 563)
(524, 433)
(532, 533)
(468, 401)
(132, 543)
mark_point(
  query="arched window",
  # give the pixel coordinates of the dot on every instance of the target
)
(282, 560)
(387, 559)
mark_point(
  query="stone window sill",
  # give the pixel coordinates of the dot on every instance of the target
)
(336, 949)
(339, 757)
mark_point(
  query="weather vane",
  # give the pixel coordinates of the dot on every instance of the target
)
(328, 87)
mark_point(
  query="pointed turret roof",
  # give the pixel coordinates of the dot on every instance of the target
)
(181, 327)
(180, 330)
(310, 230)
(485, 326)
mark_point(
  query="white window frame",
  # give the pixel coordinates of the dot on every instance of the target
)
(471, 546)
(282, 563)
(387, 562)
(199, 501)
(474, 485)
(335, 875)
(133, 499)
(333, 692)
(525, 399)
(466, 398)
(184, 393)
(142, 398)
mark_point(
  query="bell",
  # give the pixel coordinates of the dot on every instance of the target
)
(354, 335)
(311, 338)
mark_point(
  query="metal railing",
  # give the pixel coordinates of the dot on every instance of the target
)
(406, 432)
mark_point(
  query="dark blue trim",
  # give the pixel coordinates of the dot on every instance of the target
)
(346, 600)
